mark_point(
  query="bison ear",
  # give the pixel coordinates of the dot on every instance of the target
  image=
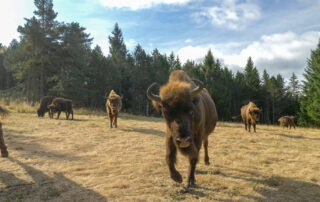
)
(157, 105)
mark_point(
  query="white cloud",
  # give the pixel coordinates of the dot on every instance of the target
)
(104, 45)
(130, 44)
(188, 41)
(231, 14)
(12, 14)
(139, 4)
(278, 53)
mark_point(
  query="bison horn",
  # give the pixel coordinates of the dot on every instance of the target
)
(194, 92)
(150, 95)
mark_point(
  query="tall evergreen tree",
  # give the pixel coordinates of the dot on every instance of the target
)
(310, 102)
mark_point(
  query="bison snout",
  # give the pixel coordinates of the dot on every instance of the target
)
(183, 142)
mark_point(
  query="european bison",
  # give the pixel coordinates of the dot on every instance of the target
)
(287, 121)
(60, 104)
(190, 115)
(44, 103)
(113, 106)
(250, 115)
(4, 151)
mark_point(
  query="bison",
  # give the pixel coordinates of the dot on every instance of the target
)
(190, 116)
(44, 103)
(113, 106)
(60, 104)
(4, 151)
(250, 115)
(287, 121)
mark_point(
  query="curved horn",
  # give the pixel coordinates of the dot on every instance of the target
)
(150, 95)
(194, 92)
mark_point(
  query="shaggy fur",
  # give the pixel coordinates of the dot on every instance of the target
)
(189, 121)
(3, 147)
(250, 115)
(113, 106)
(287, 121)
(60, 104)
(44, 103)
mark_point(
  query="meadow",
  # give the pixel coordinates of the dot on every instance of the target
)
(85, 160)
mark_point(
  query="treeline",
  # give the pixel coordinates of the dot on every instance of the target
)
(56, 58)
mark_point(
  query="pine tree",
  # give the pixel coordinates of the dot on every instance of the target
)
(252, 80)
(310, 102)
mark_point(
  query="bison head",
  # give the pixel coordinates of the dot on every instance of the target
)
(114, 104)
(255, 114)
(178, 102)
(40, 113)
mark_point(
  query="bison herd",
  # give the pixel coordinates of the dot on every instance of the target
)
(187, 108)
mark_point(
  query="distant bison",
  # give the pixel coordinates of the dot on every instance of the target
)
(4, 151)
(60, 104)
(190, 115)
(44, 103)
(250, 115)
(113, 106)
(287, 121)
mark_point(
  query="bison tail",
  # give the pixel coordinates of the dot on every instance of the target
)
(235, 117)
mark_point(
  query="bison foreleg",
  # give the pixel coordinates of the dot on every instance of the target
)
(206, 156)
(171, 155)
(254, 127)
(115, 120)
(249, 126)
(110, 118)
(59, 112)
(246, 125)
(193, 162)
(4, 152)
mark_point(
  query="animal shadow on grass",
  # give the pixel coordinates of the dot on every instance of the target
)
(145, 131)
(43, 187)
(276, 188)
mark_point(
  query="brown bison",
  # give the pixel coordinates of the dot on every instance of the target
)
(113, 106)
(60, 104)
(44, 103)
(4, 151)
(190, 115)
(287, 121)
(250, 115)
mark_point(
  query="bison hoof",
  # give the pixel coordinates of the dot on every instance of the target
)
(190, 183)
(4, 154)
(176, 177)
(207, 162)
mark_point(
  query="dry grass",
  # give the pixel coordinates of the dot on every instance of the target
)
(84, 160)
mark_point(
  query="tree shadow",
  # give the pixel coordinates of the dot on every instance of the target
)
(295, 137)
(145, 131)
(277, 188)
(28, 146)
(42, 187)
(141, 118)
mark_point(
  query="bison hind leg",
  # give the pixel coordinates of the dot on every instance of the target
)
(206, 156)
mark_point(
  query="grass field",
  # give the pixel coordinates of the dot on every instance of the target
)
(84, 160)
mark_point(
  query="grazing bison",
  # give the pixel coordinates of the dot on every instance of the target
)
(60, 104)
(190, 115)
(250, 115)
(287, 121)
(113, 106)
(4, 151)
(44, 103)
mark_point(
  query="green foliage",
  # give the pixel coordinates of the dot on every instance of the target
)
(310, 102)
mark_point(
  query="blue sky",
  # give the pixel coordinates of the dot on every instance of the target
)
(277, 34)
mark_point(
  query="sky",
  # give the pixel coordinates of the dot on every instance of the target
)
(278, 34)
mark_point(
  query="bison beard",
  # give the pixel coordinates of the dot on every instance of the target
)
(190, 116)
(4, 151)
(113, 106)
